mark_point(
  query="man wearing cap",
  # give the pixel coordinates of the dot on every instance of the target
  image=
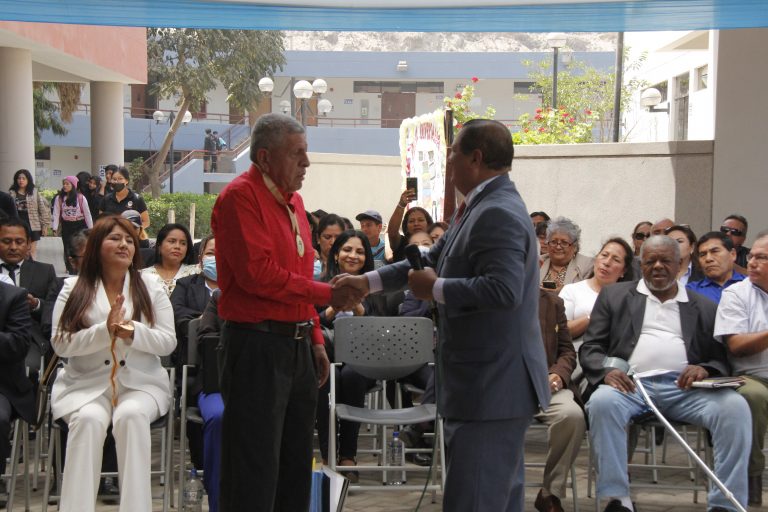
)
(370, 224)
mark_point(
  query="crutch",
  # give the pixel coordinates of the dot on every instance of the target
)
(728, 494)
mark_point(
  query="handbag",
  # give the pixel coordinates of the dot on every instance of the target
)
(43, 392)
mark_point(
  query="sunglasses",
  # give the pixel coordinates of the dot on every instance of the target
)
(735, 232)
(641, 236)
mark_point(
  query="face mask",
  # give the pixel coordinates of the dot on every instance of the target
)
(209, 267)
(118, 187)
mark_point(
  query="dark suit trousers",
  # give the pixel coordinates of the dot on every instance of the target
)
(6, 415)
(269, 389)
(485, 465)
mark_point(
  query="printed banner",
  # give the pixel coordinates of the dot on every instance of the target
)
(422, 155)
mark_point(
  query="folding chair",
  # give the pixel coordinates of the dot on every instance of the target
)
(384, 348)
(164, 424)
(20, 439)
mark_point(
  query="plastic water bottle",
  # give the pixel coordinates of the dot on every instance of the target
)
(192, 500)
(395, 457)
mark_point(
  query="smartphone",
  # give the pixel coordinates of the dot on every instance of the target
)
(412, 184)
(549, 285)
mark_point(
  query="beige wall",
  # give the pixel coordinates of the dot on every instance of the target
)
(741, 148)
(605, 188)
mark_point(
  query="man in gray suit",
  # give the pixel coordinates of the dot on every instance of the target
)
(492, 370)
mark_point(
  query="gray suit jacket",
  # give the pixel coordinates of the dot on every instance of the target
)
(491, 357)
(616, 322)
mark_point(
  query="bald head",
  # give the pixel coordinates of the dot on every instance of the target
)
(661, 225)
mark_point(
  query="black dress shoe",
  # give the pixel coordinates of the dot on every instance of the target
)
(420, 459)
(549, 504)
(109, 492)
(755, 486)
(3, 493)
(616, 506)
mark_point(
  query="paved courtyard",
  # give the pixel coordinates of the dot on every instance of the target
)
(653, 499)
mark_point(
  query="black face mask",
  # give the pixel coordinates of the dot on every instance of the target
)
(118, 187)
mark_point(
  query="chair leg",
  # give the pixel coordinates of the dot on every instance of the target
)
(167, 456)
(14, 462)
(25, 454)
(49, 466)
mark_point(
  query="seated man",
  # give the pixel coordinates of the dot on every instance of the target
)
(16, 398)
(742, 324)
(735, 226)
(38, 279)
(665, 333)
(716, 259)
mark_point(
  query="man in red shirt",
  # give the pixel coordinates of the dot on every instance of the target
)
(274, 357)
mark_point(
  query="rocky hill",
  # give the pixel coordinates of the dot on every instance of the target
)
(442, 41)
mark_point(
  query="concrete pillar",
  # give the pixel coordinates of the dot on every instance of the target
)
(740, 180)
(17, 139)
(107, 133)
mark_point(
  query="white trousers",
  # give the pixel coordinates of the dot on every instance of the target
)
(130, 420)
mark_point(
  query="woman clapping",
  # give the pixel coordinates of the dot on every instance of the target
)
(112, 324)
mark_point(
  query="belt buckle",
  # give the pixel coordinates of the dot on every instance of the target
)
(297, 330)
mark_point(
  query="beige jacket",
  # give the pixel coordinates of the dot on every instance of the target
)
(39, 211)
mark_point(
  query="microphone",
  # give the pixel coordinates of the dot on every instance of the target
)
(413, 253)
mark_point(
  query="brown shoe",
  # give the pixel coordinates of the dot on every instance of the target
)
(755, 486)
(549, 504)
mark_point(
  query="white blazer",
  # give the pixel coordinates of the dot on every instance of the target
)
(86, 374)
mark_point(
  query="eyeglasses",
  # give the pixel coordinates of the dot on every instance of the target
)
(561, 243)
(733, 231)
(641, 236)
(759, 258)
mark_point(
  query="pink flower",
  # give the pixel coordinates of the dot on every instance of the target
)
(538, 111)
(459, 126)
(571, 120)
(458, 96)
(541, 129)
(587, 111)
(475, 79)
(538, 116)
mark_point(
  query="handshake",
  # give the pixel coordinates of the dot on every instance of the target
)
(347, 291)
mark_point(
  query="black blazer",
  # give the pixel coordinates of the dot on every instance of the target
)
(189, 298)
(616, 322)
(40, 280)
(15, 326)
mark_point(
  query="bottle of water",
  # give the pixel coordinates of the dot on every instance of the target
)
(395, 457)
(192, 500)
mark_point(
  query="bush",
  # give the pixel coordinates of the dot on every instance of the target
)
(180, 201)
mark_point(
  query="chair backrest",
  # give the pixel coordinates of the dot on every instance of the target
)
(384, 348)
(192, 342)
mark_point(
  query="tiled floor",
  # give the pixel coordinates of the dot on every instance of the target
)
(648, 500)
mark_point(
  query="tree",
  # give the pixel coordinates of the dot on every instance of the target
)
(187, 63)
(584, 92)
(51, 116)
(461, 102)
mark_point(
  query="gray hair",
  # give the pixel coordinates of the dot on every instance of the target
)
(660, 241)
(761, 235)
(564, 225)
(78, 241)
(270, 130)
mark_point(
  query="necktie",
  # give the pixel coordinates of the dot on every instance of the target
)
(460, 212)
(11, 268)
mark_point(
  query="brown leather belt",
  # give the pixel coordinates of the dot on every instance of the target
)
(297, 331)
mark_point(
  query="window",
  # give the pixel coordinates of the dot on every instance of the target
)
(663, 89)
(523, 88)
(398, 87)
(702, 77)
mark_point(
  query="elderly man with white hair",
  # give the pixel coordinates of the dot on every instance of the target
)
(664, 333)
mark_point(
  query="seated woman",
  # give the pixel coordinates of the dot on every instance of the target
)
(415, 219)
(563, 264)
(689, 266)
(350, 254)
(112, 324)
(174, 257)
(613, 263)
(328, 230)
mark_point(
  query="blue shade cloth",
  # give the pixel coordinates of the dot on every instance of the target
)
(440, 16)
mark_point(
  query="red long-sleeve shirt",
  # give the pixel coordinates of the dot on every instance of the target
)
(260, 273)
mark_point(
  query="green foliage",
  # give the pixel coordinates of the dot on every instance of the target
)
(48, 194)
(179, 202)
(136, 170)
(460, 104)
(549, 126)
(581, 89)
(46, 113)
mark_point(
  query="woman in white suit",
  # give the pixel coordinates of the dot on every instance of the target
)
(112, 324)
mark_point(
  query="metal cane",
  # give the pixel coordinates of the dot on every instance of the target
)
(728, 494)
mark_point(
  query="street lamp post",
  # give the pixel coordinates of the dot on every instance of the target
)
(303, 91)
(159, 117)
(555, 41)
(267, 85)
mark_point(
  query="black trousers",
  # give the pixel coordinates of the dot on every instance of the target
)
(6, 418)
(269, 389)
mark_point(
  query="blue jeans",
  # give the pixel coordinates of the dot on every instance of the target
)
(723, 412)
(212, 410)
